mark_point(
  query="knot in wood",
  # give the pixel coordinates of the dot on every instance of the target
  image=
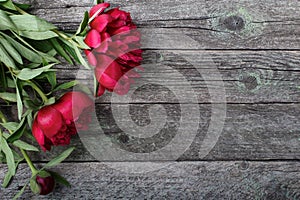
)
(234, 23)
(250, 82)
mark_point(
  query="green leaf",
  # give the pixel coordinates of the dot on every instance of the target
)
(28, 74)
(12, 126)
(34, 35)
(7, 179)
(23, 145)
(71, 51)
(18, 132)
(12, 97)
(8, 176)
(11, 50)
(45, 57)
(9, 5)
(3, 0)
(19, 100)
(31, 23)
(9, 156)
(59, 179)
(35, 188)
(30, 119)
(81, 42)
(50, 76)
(3, 79)
(6, 22)
(60, 50)
(81, 59)
(66, 85)
(24, 51)
(59, 159)
(44, 174)
(83, 23)
(20, 192)
(23, 6)
(5, 58)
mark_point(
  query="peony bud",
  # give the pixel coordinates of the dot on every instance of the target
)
(46, 184)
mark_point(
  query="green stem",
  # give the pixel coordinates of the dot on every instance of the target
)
(38, 90)
(29, 162)
(20, 10)
(64, 36)
(2, 117)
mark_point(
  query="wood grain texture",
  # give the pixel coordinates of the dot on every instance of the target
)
(184, 180)
(251, 132)
(222, 24)
(246, 77)
(257, 153)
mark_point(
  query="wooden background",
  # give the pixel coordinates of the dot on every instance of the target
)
(254, 45)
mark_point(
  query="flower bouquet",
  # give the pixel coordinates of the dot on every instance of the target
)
(47, 112)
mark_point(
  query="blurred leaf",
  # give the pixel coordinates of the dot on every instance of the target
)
(45, 57)
(20, 192)
(28, 74)
(3, 79)
(9, 156)
(5, 58)
(9, 5)
(9, 176)
(59, 158)
(12, 97)
(6, 22)
(35, 188)
(81, 59)
(19, 99)
(83, 23)
(23, 145)
(11, 50)
(31, 23)
(81, 42)
(23, 6)
(66, 85)
(59, 179)
(12, 126)
(24, 51)
(50, 76)
(17, 134)
(60, 50)
(44, 174)
(30, 119)
(34, 35)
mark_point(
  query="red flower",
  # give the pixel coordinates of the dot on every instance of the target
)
(55, 124)
(115, 48)
(46, 184)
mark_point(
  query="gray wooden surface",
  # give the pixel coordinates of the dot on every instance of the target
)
(255, 48)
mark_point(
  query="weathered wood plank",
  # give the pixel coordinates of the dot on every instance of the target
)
(222, 24)
(251, 132)
(245, 77)
(182, 180)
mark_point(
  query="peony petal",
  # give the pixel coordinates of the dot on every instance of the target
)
(99, 8)
(103, 61)
(93, 39)
(71, 105)
(43, 141)
(123, 86)
(100, 91)
(91, 57)
(49, 121)
(100, 22)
